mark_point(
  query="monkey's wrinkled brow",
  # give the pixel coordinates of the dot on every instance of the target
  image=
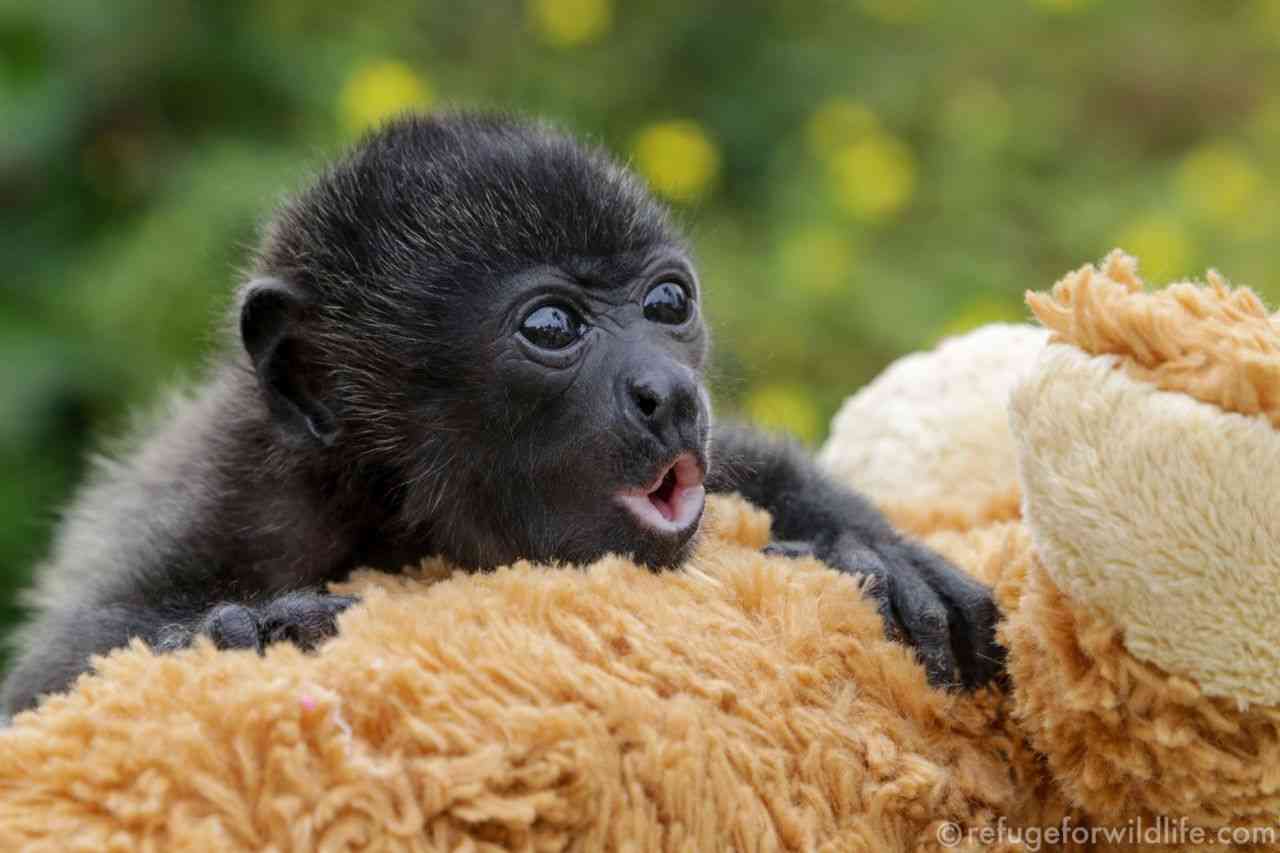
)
(610, 271)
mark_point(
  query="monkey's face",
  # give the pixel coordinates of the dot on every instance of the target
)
(490, 335)
(597, 407)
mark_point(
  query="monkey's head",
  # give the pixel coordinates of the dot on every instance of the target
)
(493, 333)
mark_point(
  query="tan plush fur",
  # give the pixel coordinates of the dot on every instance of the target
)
(749, 703)
(1216, 344)
(1126, 739)
(1153, 518)
(746, 703)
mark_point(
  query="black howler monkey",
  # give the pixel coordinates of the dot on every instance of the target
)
(475, 337)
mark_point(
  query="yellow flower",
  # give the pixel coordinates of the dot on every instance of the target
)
(836, 123)
(1219, 182)
(678, 159)
(874, 177)
(1161, 246)
(568, 23)
(786, 408)
(379, 90)
(816, 258)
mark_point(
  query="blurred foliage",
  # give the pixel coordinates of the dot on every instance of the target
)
(860, 176)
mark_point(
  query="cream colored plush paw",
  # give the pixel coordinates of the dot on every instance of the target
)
(932, 431)
(1150, 465)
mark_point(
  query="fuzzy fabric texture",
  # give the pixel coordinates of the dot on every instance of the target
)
(1108, 464)
(1211, 342)
(753, 702)
(929, 441)
(748, 702)
(1143, 401)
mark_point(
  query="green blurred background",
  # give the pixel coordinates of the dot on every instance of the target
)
(861, 177)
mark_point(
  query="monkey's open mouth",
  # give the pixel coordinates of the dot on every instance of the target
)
(673, 501)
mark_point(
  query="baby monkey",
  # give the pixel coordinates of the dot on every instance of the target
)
(472, 337)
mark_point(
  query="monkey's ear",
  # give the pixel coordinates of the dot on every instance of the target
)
(271, 326)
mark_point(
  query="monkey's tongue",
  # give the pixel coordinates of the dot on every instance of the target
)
(674, 502)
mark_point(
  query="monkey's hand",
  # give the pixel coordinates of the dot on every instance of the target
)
(945, 615)
(303, 618)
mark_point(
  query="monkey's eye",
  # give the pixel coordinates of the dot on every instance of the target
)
(667, 302)
(551, 327)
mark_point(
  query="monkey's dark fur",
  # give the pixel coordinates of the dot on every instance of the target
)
(390, 400)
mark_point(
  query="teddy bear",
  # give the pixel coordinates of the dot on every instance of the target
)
(1111, 475)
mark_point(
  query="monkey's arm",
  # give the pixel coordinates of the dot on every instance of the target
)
(58, 646)
(947, 616)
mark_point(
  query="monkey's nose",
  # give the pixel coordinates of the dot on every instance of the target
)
(663, 400)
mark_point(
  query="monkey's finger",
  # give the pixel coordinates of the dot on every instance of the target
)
(231, 626)
(304, 619)
(928, 625)
(789, 548)
(880, 591)
(877, 585)
(974, 616)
